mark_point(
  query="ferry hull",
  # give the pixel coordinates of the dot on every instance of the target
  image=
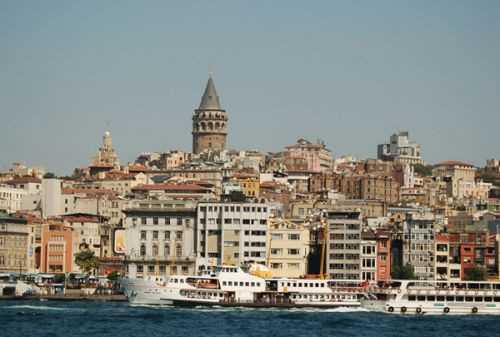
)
(142, 292)
(284, 305)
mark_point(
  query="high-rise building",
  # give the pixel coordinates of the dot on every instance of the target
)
(209, 122)
(400, 149)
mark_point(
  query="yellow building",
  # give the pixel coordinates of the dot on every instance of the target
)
(250, 186)
(288, 248)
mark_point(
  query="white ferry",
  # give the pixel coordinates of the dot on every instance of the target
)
(434, 297)
(234, 286)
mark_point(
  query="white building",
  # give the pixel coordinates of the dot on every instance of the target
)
(159, 238)
(234, 233)
(400, 149)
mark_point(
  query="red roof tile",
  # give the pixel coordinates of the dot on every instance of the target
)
(453, 163)
(24, 180)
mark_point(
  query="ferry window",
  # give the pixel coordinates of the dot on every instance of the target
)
(322, 285)
(411, 298)
(469, 299)
(420, 298)
(241, 284)
(459, 298)
(182, 280)
(497, 299)
(230, 283)
(478, 298)
(247, 284)
(295, 284)
(450, 299)
(440, 299)
(175, 280)
(300, 284)
(305, 285)
(223, 283)
(431, 298)
(496, 286)
(488, 299)
(288, 284)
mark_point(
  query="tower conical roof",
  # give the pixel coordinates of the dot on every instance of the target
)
(210, 100)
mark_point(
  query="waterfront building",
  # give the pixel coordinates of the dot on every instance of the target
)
(419, 244)
(13, 244)
(57, 248)
(446, 268)
(383, 262)
(288, 249)
(159, 238)
(343, 244)
(209, 122)
(231, 232)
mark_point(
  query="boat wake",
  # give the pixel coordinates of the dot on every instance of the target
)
(38, 307)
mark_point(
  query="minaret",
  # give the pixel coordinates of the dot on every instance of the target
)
(209, 121)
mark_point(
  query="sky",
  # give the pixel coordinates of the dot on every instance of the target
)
(348, 72)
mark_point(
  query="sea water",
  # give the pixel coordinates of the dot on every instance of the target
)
(32, 318)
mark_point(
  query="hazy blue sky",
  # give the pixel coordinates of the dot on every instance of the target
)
(348, 72)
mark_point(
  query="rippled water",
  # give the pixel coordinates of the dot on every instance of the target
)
(21, 318)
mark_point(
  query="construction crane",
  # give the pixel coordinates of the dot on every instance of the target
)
(323, 248)
(172, 260)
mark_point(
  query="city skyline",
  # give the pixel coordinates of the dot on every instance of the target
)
(324, 71)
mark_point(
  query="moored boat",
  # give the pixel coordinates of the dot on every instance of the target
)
(434, 297)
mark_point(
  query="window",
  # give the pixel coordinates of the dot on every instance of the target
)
(167, 221)
(293, 251)
(167, 235)
(178, 250)
(143, 221)
(143, 235)
(155, 221)
(277, 237)
(151, 269)
(143, 250)
(179, 222)
(166, 250)
(155, 234)
(140, 269)
(155, 250)
(178, 235)
(293, 236)
(276, 251)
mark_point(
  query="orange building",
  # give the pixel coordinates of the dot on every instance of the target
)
(57, 249)
(383, 255)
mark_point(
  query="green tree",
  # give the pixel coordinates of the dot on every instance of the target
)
(49, 175)
(87, 261)
(404, 273)
(422, 169)
(476, 272)
(113, 276)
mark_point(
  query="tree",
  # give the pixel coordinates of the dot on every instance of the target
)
(422, 169)
(113, 276)
(49, 175)
(404, 273)
(87, 261)
(476, 272)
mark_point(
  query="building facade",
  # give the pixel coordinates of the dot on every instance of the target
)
(231, 232)
(159, 238)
